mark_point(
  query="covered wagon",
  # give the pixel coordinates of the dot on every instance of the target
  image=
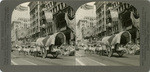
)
(115, 43)
(50, 44)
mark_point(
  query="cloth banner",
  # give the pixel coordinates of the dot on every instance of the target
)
(114, 15)
(136, 22)
(49, 16)
(70, 23)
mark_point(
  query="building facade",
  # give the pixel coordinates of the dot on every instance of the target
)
(85, 29)
(34, 30)
(100, 19)
(40, 27)
(19, 30)
(108, 25)
(14, 32)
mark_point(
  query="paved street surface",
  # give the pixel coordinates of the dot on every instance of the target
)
(81, 59)
(96, 60)
(30, 60)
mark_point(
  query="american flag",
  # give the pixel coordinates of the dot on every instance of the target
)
(21, 8)
(87, 7)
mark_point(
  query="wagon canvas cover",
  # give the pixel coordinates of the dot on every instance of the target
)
(117, 38)
(49, 40)
(39, 42)
(114, 39)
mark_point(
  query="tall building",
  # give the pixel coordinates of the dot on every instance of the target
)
(58, 23)
(25, 22)
(19, 30)
(81, 26)
(114, 25)
(34, 20)
(91, 21)
(100, 30)
(41, 27)
(108, 24)
(23, 28)
(14, 31)
(85, 29)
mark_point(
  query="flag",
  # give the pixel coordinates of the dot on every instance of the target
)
(49, 16)
(21, 8)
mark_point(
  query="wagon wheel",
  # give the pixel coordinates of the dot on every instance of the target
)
(55, 54)
(120, 53)
(44, 52)
(109, 51)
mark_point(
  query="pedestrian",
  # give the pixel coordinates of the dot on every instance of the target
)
(35, 50)
(19, 49)
(130, 48)
(85, 48)
(62, 49)
(136, 49)
(72, 49)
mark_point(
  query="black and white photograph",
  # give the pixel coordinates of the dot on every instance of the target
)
(42, 33)
(107, 34)
(74, 35)
(103, 33)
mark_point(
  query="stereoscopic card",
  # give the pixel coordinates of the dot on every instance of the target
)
(74, 36)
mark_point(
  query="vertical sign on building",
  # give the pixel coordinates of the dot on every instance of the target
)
(104, 16)
(38, 16)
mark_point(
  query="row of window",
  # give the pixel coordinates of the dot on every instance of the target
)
(56, 8)
(121, 6)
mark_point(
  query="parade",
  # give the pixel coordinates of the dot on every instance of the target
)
(99, 33)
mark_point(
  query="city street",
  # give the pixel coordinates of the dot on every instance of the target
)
(57, 27)
(30, 60)
(96, 60)
(81, 59)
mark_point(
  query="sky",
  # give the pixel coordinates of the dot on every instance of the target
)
(81, 13)
(21, 14)
(25, 4)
